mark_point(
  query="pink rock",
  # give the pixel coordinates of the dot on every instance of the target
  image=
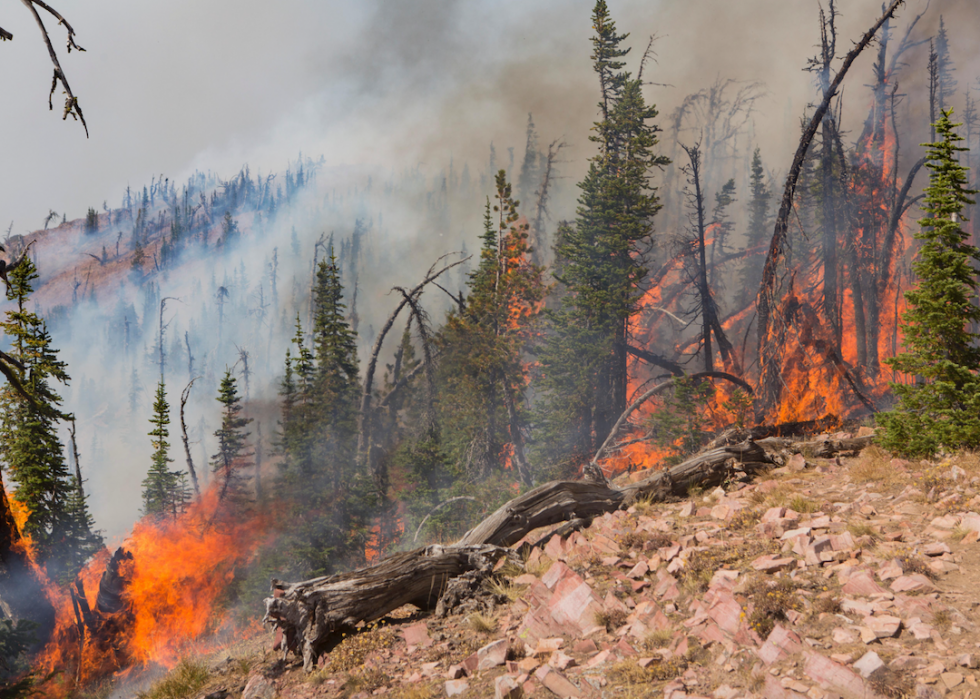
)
(624, 649)
(835, 677)
(771, 564)
(883, 626)
(913, 583)
(556, 682)
(726, 612)
(456, 687)
(586, 646)
(780, 644)
(971, 522)
(556, 573)
(574, 603)
(688, 509)
(561, 661)
(862, 584)
(793, 533)
(722, 512)
(935, 549)
(547, 646)
(843, 636)
(600, 658)
(417, 635)
(259, 687)
(506, 687)
(492, 655)
(842, 542)
(797, 462)
(890, 571)
(868, 663)
(638, 571)
(525, 579)
(820, 522)
(773, 514)
(455, 672)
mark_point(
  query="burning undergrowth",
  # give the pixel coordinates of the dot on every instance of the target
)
(167, 591)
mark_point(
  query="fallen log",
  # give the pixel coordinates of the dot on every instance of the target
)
(311, 613)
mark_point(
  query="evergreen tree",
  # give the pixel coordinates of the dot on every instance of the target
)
(329, 494)
(585, 356)
(232, 459)
(164, 491)
(30, 451)
(229, 231)
(758, 230)
(945, 82)
(482, 375)
(941, 408)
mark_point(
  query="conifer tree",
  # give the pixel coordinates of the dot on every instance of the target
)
(756, 235)
(231, 461)
(482, 375)
(585, 357)
(30, 451)
(164, 491)
(941, 408)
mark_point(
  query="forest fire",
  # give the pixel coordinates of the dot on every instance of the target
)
(165, 593)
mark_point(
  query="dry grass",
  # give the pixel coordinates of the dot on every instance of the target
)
(859, 529)
(365, 680)
(630, 674)
(913, 564)
(744, 519)
(415, 691)
(349, 654)
(611, 619)
(481, 624)
(770, 600)
(942, 620)
(181, 682)
(777, 496)
(874, 466)
(660, 638)
(803, 505)
(958, 533)
(892, 684)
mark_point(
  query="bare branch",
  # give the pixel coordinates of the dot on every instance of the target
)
(71, 102)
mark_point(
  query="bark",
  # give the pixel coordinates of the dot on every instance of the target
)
(20, 581)
(184, 395)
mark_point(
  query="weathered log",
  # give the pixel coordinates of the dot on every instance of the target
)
(311, 612)
(818, 448)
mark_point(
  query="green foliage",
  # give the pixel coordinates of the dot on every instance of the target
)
(233, 456)
(941, 408)
(229, 231)
(164, 491)
(599, 261)
(739, 405)
(677, 423)
(482, 380)
(30, 451)
(759, 230)
(329, 495)
(91, 221)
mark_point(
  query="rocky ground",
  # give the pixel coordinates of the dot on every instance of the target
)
(854, 577)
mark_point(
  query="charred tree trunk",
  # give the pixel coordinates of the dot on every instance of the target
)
(770, 380)
(20, 580)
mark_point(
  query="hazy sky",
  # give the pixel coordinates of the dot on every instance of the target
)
(172, 86)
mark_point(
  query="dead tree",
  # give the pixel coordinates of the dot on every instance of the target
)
(184, 395)
(71, 102)
(768, 351)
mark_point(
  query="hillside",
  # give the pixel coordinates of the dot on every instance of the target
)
(849, 577)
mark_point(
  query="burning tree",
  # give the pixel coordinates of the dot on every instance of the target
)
(46, 494)
(941, 407)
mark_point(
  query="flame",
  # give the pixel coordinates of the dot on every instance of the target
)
(176, 584)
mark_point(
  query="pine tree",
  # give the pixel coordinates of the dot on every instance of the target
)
(30, 451)
(328, 493)
(231, 461)
(942, 407)
(945, 82)
(164, 491)
(585, 357)
(482, 376)
(758, 229)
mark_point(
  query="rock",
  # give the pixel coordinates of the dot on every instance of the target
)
(557, 682)
(771, 564)
(970, 660)
(890, 571)
(935, 549)
(971, 522)
(862, 585)
(867, 635)
(727, 613)
(868, 663)
(793, 533)
(913, 583)
(455, 672)
(492, 655)
(780, 644)
(586, 646)
(835, 677)
(951, 679)
(638, 571)
(259, 687)
(907, 663)
(547, 646)
(506, 687)
(884, 626)
(688, 509)
(797, 462)
(946, 522)
(722, 512)
(560, 661)
(417, 635)
(774, 514)
(843, 636)
(456, 687)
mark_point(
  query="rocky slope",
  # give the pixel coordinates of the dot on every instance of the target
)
(852, 577)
